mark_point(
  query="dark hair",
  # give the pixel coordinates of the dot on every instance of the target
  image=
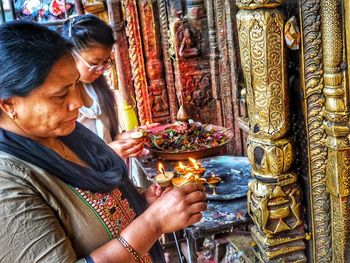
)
(28, 52)
(86, 31)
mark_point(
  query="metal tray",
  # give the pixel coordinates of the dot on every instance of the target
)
(234, 172)
(178, 156)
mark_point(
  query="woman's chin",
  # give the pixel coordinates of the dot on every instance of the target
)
(89, 80)
(67, 128)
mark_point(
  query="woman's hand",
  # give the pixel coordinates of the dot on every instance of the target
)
(127, 147)
(149, 126)
(154, 192)
(126, 135)
(178, 208)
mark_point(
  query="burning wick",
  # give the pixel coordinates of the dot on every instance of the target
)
(161, 168)
(181, 165)
(197, 166)
(163, 178)
(180, 168)
(195, 163)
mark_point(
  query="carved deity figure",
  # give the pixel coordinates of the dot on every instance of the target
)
(187, 43)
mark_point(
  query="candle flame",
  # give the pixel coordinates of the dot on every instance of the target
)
(195, 163)
(181, 165)
(161, 168)
(188, 175)
(147, 122)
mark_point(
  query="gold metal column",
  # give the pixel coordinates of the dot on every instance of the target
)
(337, 127)
(274, 195)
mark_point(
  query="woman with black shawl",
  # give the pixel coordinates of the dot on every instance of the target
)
(64, 194)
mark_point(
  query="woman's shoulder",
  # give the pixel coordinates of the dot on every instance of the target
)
(14, 170)
(12, 165)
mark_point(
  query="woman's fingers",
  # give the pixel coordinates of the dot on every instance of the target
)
(194, 197)
(127, 148)
(149, 126)
(189, 188)
(168, 189)
(132, 147)
(197, 208)
(194, 219)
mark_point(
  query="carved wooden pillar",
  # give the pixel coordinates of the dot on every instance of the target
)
(214, 59)
(168, 63)
(337, 127)
(137, 60)
(274, 195)
(121, 53)
(157, 92)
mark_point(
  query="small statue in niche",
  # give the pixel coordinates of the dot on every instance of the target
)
(187, 43)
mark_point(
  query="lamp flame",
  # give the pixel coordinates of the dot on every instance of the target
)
(195, 163)
(161, 168)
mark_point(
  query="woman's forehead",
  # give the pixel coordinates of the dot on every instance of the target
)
(63, 73)
(96, 52)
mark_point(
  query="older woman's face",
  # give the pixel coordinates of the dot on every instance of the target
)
(90, 57)
(51, 109)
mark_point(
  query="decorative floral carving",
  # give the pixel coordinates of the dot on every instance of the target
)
(314, 104)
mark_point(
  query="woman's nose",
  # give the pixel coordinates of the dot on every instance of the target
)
(76, 100)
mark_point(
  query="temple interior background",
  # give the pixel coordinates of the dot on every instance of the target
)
(275, 71)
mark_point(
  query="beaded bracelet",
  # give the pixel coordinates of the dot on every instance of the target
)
(130, 249)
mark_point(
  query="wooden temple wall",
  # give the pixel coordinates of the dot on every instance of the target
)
(226, 62)
(183, 53)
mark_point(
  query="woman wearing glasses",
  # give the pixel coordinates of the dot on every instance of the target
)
(93, 41)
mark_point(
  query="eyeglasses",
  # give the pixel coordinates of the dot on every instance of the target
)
(94, 68)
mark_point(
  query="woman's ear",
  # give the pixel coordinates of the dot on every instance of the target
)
(7, 106)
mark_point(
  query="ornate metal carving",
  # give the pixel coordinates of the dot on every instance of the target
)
(337, 127)
(274, 195)
(314, 106)
(255, 4)
(347, 33)
(137, 61)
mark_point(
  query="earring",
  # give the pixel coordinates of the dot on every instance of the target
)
(13, 115)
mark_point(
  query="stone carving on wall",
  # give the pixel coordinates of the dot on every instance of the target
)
(192, 68)
(196, 89)
(186, 43)
(157, 97)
